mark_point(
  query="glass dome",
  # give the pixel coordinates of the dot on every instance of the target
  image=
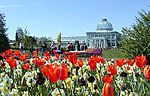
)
(104, 25)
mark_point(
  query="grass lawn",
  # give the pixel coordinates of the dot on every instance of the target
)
(113, 53)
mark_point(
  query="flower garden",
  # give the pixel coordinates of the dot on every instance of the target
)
(59, 75)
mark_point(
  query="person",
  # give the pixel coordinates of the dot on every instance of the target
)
(68, 46)
(31, 50)
(86, 47)
(76, 47)
(52, 47)
(36, 49)
(21, 47)
(44, 47)
(71, 47)
(82, 47)
(59, 45)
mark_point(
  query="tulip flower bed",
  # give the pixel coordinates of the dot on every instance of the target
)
(71, 76)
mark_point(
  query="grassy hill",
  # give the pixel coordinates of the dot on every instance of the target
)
(113, 53)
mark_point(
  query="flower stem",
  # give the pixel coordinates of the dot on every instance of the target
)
(66, 88)
(58, 89)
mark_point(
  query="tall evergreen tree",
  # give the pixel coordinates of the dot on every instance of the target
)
(136, 40)
(4, 42)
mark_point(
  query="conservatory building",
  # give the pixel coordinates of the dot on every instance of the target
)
(104, 37)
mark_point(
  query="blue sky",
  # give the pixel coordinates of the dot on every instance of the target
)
(70, 17)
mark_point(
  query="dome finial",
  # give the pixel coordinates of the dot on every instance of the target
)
(104, 25)
(104, 19)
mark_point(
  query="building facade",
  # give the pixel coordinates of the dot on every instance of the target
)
(104, 37)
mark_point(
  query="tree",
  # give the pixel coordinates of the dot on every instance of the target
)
(59, 40)
(22, 37)
(4, 41)
(29, 42)
(19, 36)
(136, 40)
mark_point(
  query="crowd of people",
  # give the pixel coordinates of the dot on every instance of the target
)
(76, 46)
(70, 47)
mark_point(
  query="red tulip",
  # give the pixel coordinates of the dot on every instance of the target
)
(107, 90)
(66, 57)
(34, 61)
(26, 55)
(112, 69)
(120, 62)
(47, 58)
(108, 79)
(130, 62)
(9, 52)
(23, 57)
(57, 55)
(8, 60)
(64, 72)
(54, 51)
(46, 54)
(140, 60)
(128, 67)
(80, 62)
(73, 58)
(52, 72)
(55, 75)
(92, 63)
(26, 66)
(34, 54)
(45, 70)
(39, 62)
(98, 59)
(17, 53)
(102, 60)
(12, 62)
(147, 72)
(3, 55)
